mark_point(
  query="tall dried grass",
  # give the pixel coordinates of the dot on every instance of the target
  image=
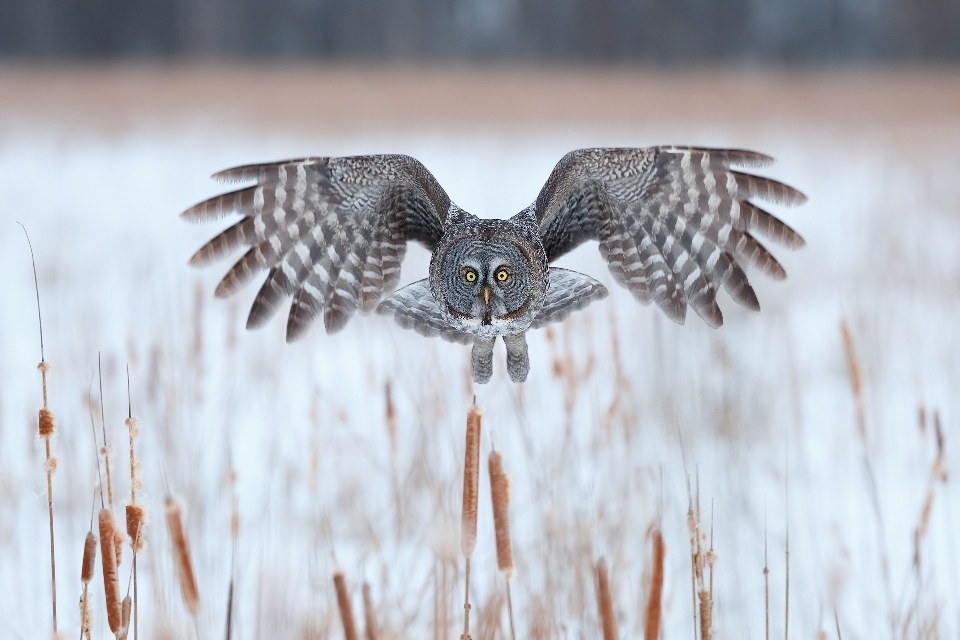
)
(46, 426)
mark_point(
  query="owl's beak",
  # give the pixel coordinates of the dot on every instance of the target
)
(486, 295)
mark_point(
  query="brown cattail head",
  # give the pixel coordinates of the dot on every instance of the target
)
(111, 581)
(706, 615)
(605, 602)
(181, 557)
(124, 618)
(135, 525)
(118, 539)
(133, 426)
(654, 609)
(471, 482)
(89, 557)
(47, 422)
(500, 494)
(343, 602)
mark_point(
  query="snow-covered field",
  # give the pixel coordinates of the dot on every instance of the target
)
(763, 407)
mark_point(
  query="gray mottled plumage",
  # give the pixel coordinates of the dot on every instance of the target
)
(675, 224)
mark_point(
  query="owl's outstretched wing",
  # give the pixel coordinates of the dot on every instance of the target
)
(673, 223)
(569, 291)
(414, 307)
(331, 231)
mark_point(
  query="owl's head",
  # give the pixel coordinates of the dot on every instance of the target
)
(489, 276)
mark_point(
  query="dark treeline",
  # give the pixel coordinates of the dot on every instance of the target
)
(670, 31)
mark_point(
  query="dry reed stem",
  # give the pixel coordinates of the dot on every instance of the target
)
(786, 596)
(936, 475)
(181, 557)
(369, 615)
(471, 483)
(46, 426)
(466, 603)
(343, 603)
(766, 585)
(654, 608)
(608, 621)
(111, 581)
(500, 497)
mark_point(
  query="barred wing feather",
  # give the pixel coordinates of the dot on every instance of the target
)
(331, 232)
(673, 223)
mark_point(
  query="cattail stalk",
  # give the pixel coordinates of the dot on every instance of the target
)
(608, 621)
(46, 426)
(343, 603)
(111, 581)
(134, 512)
(766, 585)
(500, 497)
(654, 608)
(181, 557)
(468, 521)
(86, 575)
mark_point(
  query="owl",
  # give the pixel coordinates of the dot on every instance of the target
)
(674, 224)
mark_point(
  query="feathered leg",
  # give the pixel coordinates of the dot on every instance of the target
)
(518, 360)
(481, 364)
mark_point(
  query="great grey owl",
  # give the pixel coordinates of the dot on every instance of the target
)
(673, 223)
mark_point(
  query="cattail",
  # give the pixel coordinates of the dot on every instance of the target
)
(369, 617)
(118, 539)
(111, 581)
(468, 522)
(605, 602)
(343, 602)
(86, 575)
(46, 425)
(181, 555)
(500, 493)
(500, 497)
(86, 618)
(135, 523)
(706, 615)
(652, 627)
(471, 482)
(125, 618)
(89, 557)
(47, 422)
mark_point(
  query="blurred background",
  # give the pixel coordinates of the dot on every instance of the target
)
(828, 420)
(571, 31)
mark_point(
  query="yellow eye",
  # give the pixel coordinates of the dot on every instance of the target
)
(502, 275)
(470, 275)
